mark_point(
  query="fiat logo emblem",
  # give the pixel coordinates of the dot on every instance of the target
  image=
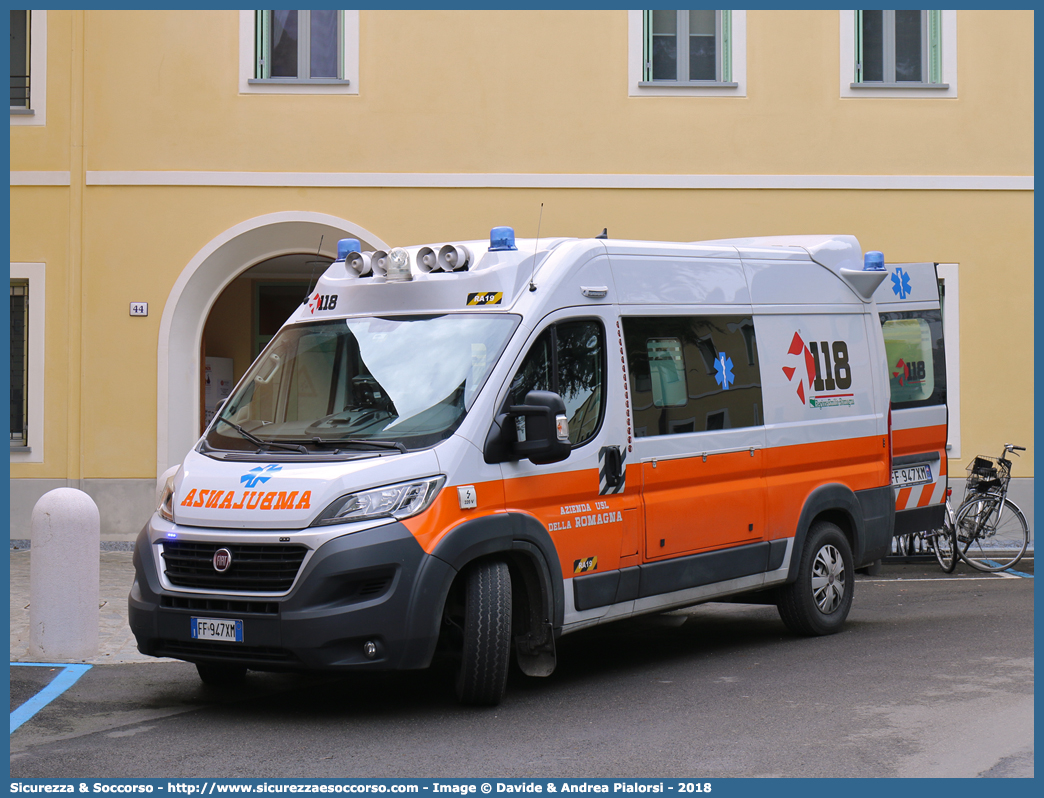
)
(222, 560)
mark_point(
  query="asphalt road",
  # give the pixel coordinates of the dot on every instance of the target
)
(933, 676)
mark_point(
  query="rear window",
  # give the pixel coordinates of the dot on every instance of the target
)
(916, 358)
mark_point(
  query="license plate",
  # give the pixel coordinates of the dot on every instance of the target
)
(230, 631)
(911, 475)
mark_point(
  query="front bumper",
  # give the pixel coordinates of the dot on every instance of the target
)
(375, 585)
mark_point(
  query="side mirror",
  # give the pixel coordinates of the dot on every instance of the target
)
(537, 430)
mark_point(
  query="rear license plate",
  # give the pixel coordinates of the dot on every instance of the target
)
(230, 631)
(911, 475)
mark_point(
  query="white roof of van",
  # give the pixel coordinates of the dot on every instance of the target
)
(832, 251)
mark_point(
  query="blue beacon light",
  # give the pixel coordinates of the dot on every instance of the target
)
(502, 239)
(346, 246)
(873, 261)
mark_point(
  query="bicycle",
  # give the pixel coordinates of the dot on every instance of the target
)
(992, 533)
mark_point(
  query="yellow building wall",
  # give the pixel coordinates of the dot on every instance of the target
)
(40, 234)
(544, 91)
(499, 92)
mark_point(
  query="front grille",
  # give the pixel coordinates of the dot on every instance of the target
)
(219, 605)
(205, 649)
(255, 568)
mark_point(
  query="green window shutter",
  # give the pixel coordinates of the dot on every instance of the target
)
(726, 46)
(262, 44)
(859, 46)
(935, 46)
(647, 45)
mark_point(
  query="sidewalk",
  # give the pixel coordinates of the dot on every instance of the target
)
(115, 641)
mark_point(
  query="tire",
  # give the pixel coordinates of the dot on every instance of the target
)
(1004, 540)
(817, 603)
(483, 672)
(944, 543)
(216, 674)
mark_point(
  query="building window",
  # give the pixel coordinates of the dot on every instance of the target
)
(299, 46)
(28, 288)
(299, 52)
(19, 364)
(28, 40)
(697, 53)
(687, 46)
(898, 53)
(20, 50)
(898, 47)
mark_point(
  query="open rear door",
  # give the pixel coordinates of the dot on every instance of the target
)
(911, 318)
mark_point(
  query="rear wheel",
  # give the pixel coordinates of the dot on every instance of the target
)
(218, 674)
(991, 536)
(817, 603)
(483, 672)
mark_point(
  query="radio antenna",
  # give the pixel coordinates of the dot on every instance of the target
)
(314, 262)
(536, 246)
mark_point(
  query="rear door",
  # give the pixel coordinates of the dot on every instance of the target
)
(911, 320)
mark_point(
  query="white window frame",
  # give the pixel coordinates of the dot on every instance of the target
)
(948, 274)
(638, 87)
(347, 84)
(35, 274)
(946, 88)
(36, 113)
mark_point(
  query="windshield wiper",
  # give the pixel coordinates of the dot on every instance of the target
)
(261, 444)
(356, 442)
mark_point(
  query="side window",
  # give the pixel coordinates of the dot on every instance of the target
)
(569, 359)
(692, 373)
(916, 358)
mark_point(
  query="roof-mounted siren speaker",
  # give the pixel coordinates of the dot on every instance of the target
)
(454, 258)
(359, 262)
(379, 263)
(427, 260)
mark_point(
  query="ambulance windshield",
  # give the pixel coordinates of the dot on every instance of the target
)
(402, 382)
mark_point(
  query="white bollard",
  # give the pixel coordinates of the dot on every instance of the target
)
(64, 575)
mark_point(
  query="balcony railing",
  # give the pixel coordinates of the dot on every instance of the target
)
(19, 91)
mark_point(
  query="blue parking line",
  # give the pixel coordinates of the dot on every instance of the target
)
(1010, 570)
(58, 685)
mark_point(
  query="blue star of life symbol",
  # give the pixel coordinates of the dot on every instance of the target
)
(258, 475)
(723, 371)
(901, 284)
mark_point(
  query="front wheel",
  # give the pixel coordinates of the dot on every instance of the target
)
(991, 536)
(483, 672)
(817, 603)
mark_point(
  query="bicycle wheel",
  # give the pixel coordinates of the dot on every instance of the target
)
(944, 544)
(991, 536)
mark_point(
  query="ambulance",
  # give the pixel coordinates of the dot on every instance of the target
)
(473, 448)
(909, 302)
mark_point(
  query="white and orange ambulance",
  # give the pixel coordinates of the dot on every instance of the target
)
(481, 446)
(909, 304)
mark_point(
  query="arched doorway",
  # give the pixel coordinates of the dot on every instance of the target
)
(279, 240)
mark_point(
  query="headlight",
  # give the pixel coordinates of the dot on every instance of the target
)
(392, 501)
(166, 504)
